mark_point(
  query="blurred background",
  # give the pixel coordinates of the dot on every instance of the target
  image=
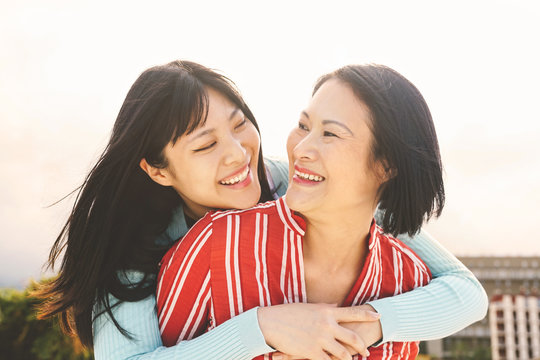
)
(66, 66)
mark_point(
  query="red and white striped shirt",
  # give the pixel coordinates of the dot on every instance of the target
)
(232, 261)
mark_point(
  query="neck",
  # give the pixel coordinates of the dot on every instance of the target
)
(193, 210)
(189, 213)
(338, 239)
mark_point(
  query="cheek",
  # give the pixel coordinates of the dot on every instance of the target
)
(199, 172)
(252, 137)
(292, 141)
(347, 163)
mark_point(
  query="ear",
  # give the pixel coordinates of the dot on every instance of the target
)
(160, 176)
(385, 171)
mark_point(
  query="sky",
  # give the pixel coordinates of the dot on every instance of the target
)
(66, 66)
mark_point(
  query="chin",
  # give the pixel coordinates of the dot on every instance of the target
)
(245, 206)
(303, 203)
(248, 202)
(295, 202)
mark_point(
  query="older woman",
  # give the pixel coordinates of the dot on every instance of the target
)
(365, 140)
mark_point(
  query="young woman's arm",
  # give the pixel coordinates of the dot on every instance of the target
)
(238, 338)
(453, 300)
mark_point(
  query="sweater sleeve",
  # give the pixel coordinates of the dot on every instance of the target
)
(453, 300)
(237, 338)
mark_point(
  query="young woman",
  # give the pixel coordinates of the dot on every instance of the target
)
(185, 142)
(366, 138)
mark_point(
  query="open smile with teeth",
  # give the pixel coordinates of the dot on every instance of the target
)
(236, 179)
(308, 176)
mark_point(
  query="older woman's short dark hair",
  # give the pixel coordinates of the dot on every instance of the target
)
(404, 139)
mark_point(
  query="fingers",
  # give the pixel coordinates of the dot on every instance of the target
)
(323, 356)
(331, 350)
(354, 313)
(351, 340)
(355, 352)
(313, 330)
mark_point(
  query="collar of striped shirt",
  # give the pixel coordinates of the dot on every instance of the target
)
(296, 223)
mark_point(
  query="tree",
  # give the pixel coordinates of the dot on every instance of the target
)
(23, 336)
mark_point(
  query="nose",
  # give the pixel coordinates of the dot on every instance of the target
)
(235, 151)
(306, 148)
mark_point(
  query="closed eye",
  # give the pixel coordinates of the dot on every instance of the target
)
(242, 123)
(205, 147)
(328, 133)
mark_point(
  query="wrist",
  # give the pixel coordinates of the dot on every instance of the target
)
(389, 319)
(264, 319)
(369, 331)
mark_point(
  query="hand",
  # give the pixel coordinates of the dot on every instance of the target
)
(313, 330)
(370, 332)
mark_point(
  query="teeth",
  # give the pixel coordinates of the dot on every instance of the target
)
(308, 176)
(236, 179)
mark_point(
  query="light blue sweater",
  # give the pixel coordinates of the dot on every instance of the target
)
(451, 301)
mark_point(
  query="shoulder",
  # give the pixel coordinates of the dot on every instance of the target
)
(231, 225)
(175, 230)
(214, 223)
(390, 241)
(402, 264)
(192, 244)
(220, 218)
(398, 248)
(188, 259)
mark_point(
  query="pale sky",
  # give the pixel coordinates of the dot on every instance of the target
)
(66, 66)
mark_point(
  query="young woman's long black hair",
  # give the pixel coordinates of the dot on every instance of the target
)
(119, 211)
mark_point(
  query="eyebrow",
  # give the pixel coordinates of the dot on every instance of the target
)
(325, 122)
(209, 131)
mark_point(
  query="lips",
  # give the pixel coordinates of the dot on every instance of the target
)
(236, 177)
(305, 175)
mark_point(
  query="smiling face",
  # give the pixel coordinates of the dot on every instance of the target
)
(215, 167)
(330, 161)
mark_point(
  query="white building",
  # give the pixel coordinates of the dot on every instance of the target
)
(514, 322)
(498, 275)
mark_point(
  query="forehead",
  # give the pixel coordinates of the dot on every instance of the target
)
(217, 103)
(221, 111)
(335, 100)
